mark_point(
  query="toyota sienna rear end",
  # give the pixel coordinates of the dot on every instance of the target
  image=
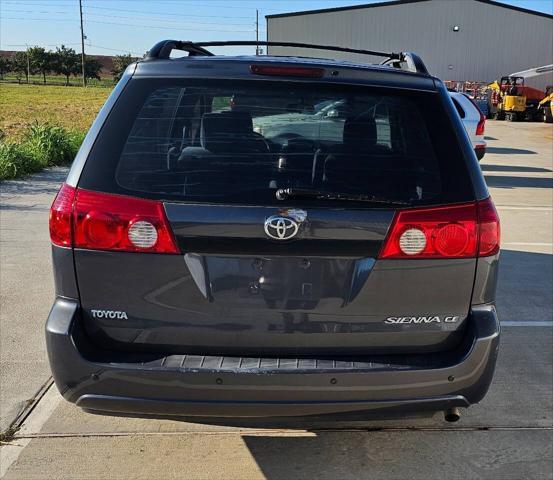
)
(274, 237)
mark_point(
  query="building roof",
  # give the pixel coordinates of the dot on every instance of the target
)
(402, 2)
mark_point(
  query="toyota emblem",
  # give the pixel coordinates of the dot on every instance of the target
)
(281, 228)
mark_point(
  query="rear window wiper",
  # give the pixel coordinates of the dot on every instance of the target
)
(284, 193)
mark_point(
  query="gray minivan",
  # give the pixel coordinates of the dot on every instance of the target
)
(210, 264)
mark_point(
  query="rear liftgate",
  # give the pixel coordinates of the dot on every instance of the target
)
(205, 279)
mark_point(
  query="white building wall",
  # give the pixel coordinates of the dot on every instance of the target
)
(492, 40)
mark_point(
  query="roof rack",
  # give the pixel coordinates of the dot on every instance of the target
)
(412, 60)
(404, 60)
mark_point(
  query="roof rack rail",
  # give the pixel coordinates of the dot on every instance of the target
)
(412, 60)
(163, 49)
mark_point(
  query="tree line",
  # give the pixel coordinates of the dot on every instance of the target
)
(63, 61)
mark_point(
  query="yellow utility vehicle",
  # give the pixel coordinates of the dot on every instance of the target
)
(545, 107)
(507, 99)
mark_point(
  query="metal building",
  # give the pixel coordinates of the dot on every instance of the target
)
(464, 40)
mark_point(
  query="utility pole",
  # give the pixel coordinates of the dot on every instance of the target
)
(256, 31)
(28, 65)
(82, 43)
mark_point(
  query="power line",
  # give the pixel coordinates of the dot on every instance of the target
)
(39, 4)
(222, 24)
(34, 11)
(168, 14)
(38, 19)
(35, 4)
(130, 25)
(115, 49)
(134, 18)
(170, 28)
(41, 44)
(166, 20)
(185, 3)
(139, 11)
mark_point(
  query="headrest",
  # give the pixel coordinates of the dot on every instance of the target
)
(359, 132)
(224, 123)
(218, 129)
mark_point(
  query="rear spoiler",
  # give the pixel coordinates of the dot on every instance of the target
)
(404, 60)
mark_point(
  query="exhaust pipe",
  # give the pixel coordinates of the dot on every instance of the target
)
(452, 415)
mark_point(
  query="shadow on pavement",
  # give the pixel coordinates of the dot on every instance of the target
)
(25, 208)
(498, 181)
(510, 151)
(401, 455)
(320, 456)
(524, 293)
(513, 168)
(46, 182)
(525, 286)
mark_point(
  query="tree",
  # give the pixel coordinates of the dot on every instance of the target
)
(19, 65)
(66, 62)
(120, 63)
(5, 66)
(41, 61)
(92, 68)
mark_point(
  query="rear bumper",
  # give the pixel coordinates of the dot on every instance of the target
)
(247, 387)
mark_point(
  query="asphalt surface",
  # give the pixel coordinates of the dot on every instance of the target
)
(508, 436)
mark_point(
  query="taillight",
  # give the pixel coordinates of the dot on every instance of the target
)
(60, 217)
(482, 122)
(101, 221)
(460, 231)
(277, 71)
(489, 229)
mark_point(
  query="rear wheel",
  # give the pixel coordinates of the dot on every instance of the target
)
(530, 115)
(499, 115)
(547, 115)
(511, 117)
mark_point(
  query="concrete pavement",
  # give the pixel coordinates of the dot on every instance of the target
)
(508, 436)
(26, 290)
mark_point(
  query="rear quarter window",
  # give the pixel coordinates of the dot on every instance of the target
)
(458, 107)
(240, 141)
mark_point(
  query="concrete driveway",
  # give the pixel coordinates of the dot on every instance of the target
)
(508, 436)
(26, 289)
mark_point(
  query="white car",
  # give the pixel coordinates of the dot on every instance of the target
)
(473, 119)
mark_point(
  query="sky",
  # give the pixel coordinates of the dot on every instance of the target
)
(132, 26)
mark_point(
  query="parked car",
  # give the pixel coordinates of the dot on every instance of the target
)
(473, 119)
(205, 269)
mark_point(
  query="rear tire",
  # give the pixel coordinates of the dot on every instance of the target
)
(547, 115)
(531, 115)
(499, 115)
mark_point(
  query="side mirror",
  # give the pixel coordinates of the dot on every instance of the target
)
(333, 113)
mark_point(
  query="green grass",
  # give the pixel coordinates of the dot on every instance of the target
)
(43, 125)
(71, 107)
(41, 146)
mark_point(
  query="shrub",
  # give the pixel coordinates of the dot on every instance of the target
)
(16, 160)
(51, 144)
(43, 145)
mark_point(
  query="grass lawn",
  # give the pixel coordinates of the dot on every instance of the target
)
(71, 107)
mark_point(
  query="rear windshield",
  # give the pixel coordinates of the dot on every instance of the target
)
(241, 141)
